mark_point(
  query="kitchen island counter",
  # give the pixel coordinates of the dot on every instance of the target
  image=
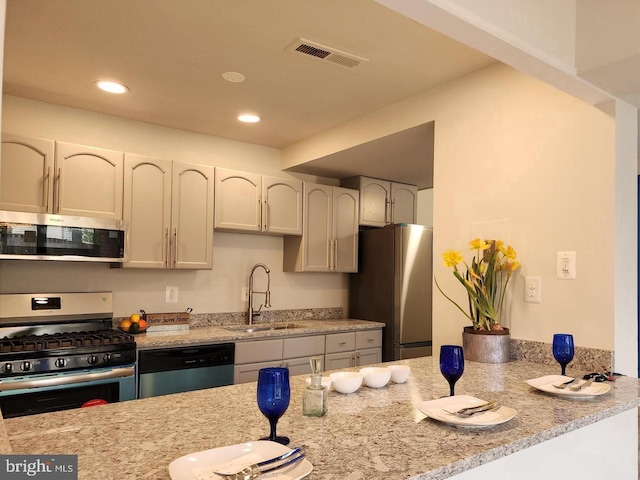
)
(222, 333)
(371, 434)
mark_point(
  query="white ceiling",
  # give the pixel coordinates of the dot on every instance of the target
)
(171, 54)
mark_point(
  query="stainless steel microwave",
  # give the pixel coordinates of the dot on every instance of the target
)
(42, 236)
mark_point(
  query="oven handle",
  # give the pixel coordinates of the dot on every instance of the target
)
(67, 380)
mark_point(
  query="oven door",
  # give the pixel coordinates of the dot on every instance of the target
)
(43, 393)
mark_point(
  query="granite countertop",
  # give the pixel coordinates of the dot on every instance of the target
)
(372, 434)
(220, 334)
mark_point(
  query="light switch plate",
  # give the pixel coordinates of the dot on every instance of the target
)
(566, 265)
(171, 295)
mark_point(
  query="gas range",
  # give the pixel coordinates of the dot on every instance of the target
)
(46, 333)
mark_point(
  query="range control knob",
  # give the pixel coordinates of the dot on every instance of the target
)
(61, 362)
(107, 357)
(92, 359)
(26, 366)
(7, 368)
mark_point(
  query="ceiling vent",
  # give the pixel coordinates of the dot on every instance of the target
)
(324, 53)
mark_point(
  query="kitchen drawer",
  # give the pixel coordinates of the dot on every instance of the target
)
(259, 351)
(368, 339)
(340, 342)
(303, 346)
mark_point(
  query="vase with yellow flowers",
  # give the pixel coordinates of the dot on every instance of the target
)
(485, 281)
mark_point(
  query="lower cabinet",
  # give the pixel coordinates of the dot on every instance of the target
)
(338, 350)
(353, 349)
(293, 353)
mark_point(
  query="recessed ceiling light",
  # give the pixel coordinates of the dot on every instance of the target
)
(234, 77)
(111, 87)
(249, 118)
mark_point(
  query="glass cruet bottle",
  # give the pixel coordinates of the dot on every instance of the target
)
(314, 401)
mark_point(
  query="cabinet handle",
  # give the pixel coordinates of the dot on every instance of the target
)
(266, 216)
(370, 340)
(57, 187)
(335, 254)
(342, 343)
(353, 360)
(393, 210)
(330, 254)
(167, 247)
(175, 245)
(259, 212)
(47, 189)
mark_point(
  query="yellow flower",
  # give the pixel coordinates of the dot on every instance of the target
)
(510, 253)
(451, 258)
(511, 267)
(500, 246)
(478, 244)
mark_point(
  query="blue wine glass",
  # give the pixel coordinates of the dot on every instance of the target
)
(274, 394)
(451, 364)
(563, 349)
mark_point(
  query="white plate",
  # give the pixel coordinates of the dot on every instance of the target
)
(546, 384)
(436, 409)
(197, 466)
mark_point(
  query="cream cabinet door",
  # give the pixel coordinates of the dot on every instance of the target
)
(404, 202)
(345, 230)
(192, 216)
(338, 361)
(282, 206)
(26, 174)
(375, 197)
(368, 356)
(147, 211)
(89, 181)
(317, 227)
(237, 200)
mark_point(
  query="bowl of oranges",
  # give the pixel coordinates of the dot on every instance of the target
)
(134, 324)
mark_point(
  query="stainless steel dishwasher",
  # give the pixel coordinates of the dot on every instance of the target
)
(182, 369)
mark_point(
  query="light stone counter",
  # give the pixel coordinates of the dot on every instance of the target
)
(372, 434)
(220, 334)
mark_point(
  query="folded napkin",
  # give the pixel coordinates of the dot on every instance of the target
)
(228, 468)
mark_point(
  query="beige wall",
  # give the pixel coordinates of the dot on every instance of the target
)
(521, 160)
(217, 290)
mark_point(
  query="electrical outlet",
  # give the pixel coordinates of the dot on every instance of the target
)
(244, 294)
(171, 295)
(532, 289)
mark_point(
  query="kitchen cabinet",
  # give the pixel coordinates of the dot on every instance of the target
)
(250, 202)
(383, 202)
(353, 349)
(43, 176)
(329, 241)
(168, 207)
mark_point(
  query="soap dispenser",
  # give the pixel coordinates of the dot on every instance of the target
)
(314, 401)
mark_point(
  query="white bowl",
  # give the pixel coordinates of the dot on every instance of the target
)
(346, 382)
(399, 373)
(376, 377)
(326, 382)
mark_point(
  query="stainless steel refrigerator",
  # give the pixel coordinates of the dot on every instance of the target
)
(393, 286)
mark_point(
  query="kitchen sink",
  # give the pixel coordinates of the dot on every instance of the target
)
(261, 327)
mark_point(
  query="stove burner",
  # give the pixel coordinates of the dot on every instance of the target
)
(33, 343)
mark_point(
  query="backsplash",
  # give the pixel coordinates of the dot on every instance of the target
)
(268, 316)
(585, 359)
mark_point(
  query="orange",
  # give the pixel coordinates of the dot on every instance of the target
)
(142, 323)
(125, 325)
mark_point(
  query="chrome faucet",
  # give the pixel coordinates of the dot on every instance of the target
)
(266, 293)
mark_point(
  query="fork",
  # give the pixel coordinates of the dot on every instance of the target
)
(257, 469)
(470, 411)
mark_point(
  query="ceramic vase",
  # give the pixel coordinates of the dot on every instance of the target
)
(486, 347)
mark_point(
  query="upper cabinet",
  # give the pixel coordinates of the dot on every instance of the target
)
(329, 241)
(250, 202)
(75, 180)
(383, 202)
(168, 207)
